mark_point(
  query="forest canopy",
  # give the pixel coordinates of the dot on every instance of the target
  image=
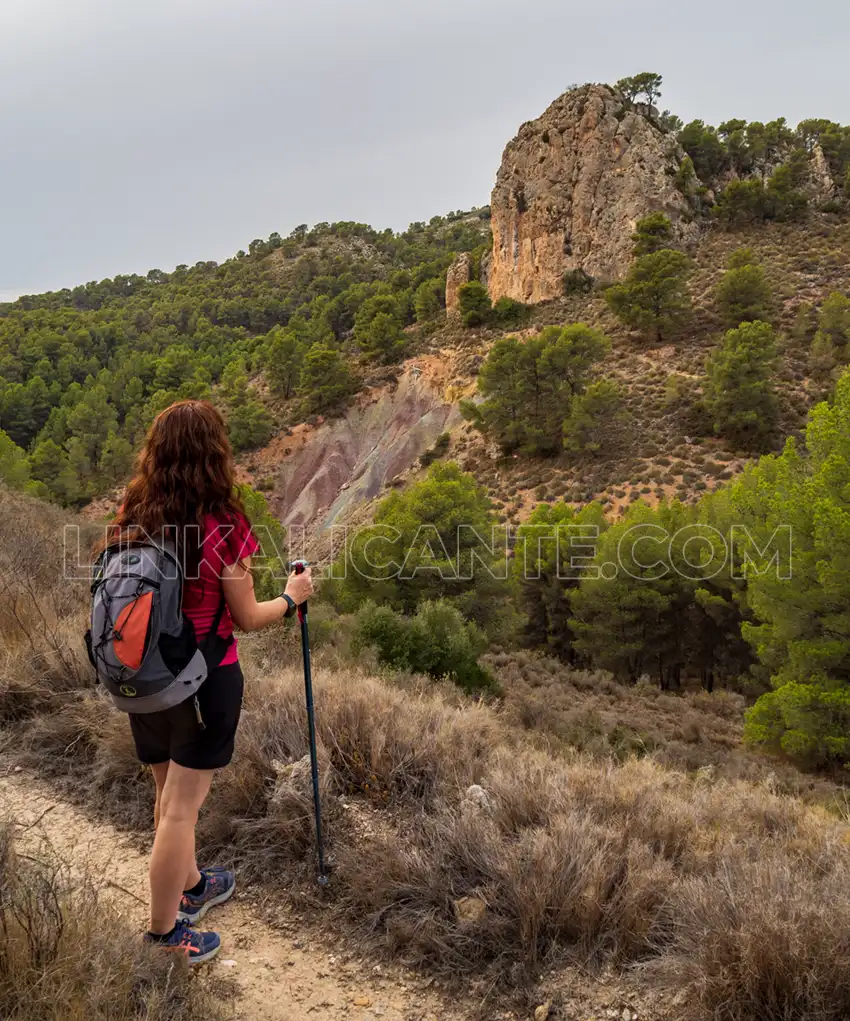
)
(83, 371)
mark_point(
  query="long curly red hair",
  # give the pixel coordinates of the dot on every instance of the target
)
(184, 472)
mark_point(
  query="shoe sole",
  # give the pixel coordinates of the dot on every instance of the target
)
(185, 916)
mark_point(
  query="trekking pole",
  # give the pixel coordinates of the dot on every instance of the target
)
(299, 567)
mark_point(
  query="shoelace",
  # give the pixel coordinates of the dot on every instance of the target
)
(186, 934)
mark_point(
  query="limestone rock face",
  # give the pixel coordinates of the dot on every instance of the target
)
(486, 264)
(570, 189)
(816, 181)
(820, 186)
(460, 273)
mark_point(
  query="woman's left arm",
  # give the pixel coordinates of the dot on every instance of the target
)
(250, 615)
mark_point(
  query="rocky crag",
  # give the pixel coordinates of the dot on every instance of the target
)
(571, 187)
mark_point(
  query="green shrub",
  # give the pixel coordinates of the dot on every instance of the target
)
(436, 641)
(474, 303)
(441, 446)
(509, 313)
(576, 281)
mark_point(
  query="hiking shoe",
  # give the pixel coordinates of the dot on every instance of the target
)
(197, 946)
(219, 888)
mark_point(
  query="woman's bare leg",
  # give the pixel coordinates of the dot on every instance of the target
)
(160, 774)
(173, 857)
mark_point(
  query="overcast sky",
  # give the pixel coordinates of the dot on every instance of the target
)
(144, 134)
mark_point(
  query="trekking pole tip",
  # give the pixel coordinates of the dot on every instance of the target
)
(323, 880)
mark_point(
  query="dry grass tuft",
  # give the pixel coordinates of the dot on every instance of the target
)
(762, 940)
(40, 610)
(63, 957)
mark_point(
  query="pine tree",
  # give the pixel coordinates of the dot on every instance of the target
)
(802, 633)
(326, 380)
(739, 392)
(382, 340)
(652, 233)
(708, 153)
(474, 303)
(249, 423)
(379, 304)
(91, 421)
(423, 545)
(593, 417)
(544, 572)
(654, 297)
(429, 299)
(647, 84)
(529, 386)
(743, 294)
(634, 621)
(831, 346)
(267, 565)
(14, 466)
(116, 460)
(284, 359)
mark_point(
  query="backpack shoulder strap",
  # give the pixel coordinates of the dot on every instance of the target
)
(213, 631)
(212, 645)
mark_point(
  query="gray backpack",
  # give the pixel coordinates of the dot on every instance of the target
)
(141, 644)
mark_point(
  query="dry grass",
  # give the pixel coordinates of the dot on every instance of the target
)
(704, 875)
(694, 731)
(573, 859)
(753, 942)
(63, 957)
(40, 634)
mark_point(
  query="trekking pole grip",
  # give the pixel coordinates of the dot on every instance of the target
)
(299, 567)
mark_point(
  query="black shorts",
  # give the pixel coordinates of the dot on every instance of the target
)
(176, 735)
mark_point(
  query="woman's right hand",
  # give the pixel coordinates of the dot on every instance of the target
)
(299, 587)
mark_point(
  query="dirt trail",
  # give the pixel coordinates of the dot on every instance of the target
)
(280, 977)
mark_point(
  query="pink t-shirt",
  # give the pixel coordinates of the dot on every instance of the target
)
(226, 540)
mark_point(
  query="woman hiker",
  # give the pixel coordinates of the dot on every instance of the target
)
(185, 478)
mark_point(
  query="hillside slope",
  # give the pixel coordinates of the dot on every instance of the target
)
(656, 451)
(297, 331)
